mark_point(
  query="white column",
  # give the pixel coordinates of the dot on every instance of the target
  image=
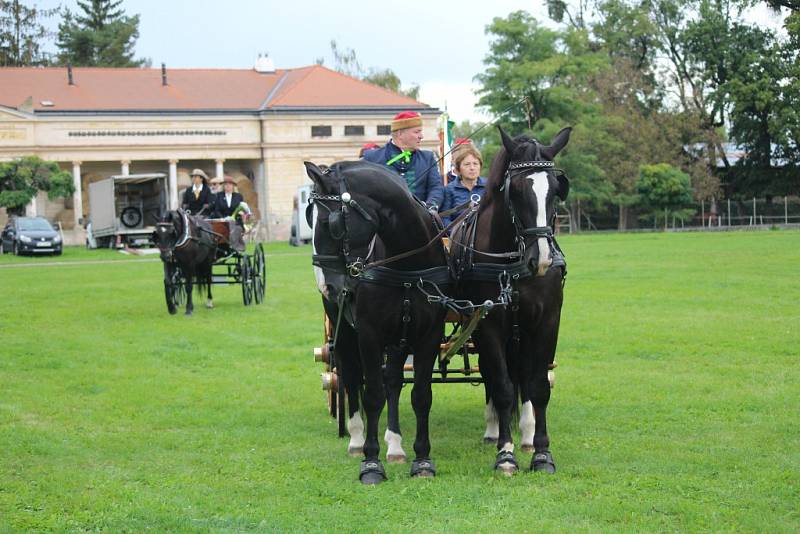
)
(30, 209)
(77, 196)
(173, 184)
(126, 167)
(220, 167)
(262, 188)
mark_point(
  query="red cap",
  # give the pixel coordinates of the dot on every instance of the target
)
(369, 146)
(462, 141)
(406, 119)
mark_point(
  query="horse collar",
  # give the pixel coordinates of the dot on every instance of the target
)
(185, 238)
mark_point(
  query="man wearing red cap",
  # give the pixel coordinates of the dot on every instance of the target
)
(419, 168)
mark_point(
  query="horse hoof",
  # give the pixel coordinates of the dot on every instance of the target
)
(423, 468)
(188, 313)
(172, 312)
(396, 458)
(355, 452)
(507, 469)
(506, 463)
(543, 461)
(488, 440)
(210, 305)
(527, 447)
(371, 472)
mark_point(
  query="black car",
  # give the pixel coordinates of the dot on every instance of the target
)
(32, 235)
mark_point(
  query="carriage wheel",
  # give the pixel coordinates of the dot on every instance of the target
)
(174, 287)
(247, 279)
(259, 273)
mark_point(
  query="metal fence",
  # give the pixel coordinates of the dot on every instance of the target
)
(709, 214)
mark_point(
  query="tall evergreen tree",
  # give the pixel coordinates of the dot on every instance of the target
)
(22, 34)
(100, 35)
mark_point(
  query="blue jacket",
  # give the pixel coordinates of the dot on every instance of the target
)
(421, 174)
(456, 194)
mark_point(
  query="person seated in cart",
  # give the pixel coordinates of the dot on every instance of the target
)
(468, 185)
(419, 168)
(197, 199)
(216, 185)
(228, 205)
(459, 143)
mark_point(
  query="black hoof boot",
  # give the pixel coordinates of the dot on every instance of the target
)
(506, 463)
(543, 461)
(423, 467)
(371, 472)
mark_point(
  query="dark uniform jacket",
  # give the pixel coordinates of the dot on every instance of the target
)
(194, 205)
(421, 173)
(221, 208)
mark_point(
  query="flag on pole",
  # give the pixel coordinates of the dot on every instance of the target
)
(445, 143)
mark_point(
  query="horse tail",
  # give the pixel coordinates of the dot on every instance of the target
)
(202, 278)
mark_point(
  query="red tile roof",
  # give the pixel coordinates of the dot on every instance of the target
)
(112, 89)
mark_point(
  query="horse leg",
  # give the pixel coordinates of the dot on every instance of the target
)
(527, 421)
(189, 286)
(349, 369)
(209, 298)
(393, 382)
(426, 351)
(490, 415)
(545, 350)
(492, 363)
(371, 350)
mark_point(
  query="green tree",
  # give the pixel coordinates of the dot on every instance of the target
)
(22, 34)
(100, 36)
(665, 192)
(22, 178)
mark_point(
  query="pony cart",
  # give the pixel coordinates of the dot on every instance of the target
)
(228, 266)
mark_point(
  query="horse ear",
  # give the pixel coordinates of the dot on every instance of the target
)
(563, 186)
(508, 143)
(559, 142)
(314, 172)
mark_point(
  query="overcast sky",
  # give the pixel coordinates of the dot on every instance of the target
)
(438, 45)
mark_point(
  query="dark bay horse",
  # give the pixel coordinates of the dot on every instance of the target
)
(330, 271)
(187, 242)
(355, 202)
(512, 236)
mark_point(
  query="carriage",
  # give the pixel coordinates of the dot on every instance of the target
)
(230, 267)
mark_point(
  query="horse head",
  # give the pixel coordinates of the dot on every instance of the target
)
(168, 232)
(343, 229)
(531, 186)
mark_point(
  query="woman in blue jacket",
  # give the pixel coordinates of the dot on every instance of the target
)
(468, 185)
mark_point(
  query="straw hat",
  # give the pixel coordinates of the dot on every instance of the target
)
(199, 172)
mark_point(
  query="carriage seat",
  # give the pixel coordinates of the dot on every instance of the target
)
(223, 230)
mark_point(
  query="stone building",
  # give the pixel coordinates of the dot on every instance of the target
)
(257, 125)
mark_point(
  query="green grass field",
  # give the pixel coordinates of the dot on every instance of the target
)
(676, 403)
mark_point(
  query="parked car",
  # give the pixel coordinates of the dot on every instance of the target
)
(33, 235)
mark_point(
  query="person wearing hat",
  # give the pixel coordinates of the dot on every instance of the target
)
(227, 200)
(197, 199)
(419, 168)
(366, 147)
(216, 184)
(226, 204)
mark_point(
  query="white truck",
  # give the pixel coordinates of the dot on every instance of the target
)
(125, 209)
(301, 231)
